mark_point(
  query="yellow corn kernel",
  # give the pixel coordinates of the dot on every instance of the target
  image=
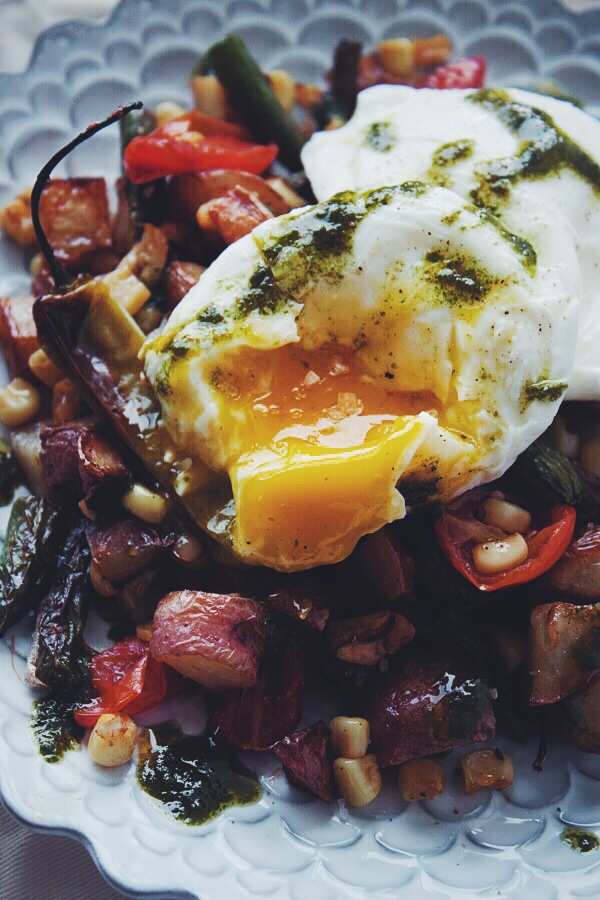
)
(44, 369)
(283, 86)
(563, 438)
(507, 516)
(397, 56)
(113, 740)
(145, 504)
(167, 111)
(590, 455)
(420, 779)
(19, 402)
(359, 780)
(349, 736)
(66, 401)
(209, 95)
(487, 769)
(500, 556)
(190, 552)
(127, 289)
(290, 196)
(15, 220)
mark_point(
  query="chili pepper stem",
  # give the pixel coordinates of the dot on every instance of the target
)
(62, 278)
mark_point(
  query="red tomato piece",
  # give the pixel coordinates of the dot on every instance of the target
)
(201, 123)
(158, 155)
(464, 73)
(458, 530)
(127, 679)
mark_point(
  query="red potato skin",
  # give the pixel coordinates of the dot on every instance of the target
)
(121, 550)
(307, 759)
(75, 216)
(216, 639)
(257, 718)
(18, 334)
(428, 706)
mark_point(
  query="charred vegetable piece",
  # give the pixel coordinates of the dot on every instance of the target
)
(58, 656)
(102, 471)
(59, 461)
(367, 639)
(75, 216)
(233, 215)
(459, 530)
(299, 600)
(98, 344)
(127, 679)
(577, 572)
(260, 716)
(121, 550)
(547, 473)
(143, 203)
(577, 718)
(35, 532)
(26, 446)
(428, 706)
(216, 639)
(564, 642)
(307, 759)
(9, 474)
(386, 564)
(337, 105)
(18, 335)
(253, 99)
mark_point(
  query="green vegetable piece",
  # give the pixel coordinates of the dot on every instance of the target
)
(147, 202)
(35, 530)
(579, 840)
(59, 657)
(9, 474)
(253, 99)
(548, 473)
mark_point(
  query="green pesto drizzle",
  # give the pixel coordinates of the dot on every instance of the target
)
(579, 840)
(457, 708)
(520, 245)
(459, 279)
(541, 391)
(54, 728)
(262, 295)
(194, 777)
(380, 136)
(543, 150)
(446, 156)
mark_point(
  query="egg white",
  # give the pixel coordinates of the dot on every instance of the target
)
(374, 275)
(559, 212)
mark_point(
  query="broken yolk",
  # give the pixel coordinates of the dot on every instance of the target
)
(315, 447)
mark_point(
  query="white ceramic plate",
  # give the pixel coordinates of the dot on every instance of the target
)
(286, 846)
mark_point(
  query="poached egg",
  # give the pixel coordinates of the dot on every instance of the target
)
(532, 160)
(346, 359)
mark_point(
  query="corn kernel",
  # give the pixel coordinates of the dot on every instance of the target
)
(44, 369)
(283, 86)
(145, 504)
(397, 56)
(500, 556)
(349, 736)
(209, 95)
(19, 402)
(113, 740)
(420, 779)
(359, 780)
(167, 111)
(507, 516)
(487, 769)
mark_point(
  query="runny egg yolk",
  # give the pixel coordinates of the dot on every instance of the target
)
(316, 446)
